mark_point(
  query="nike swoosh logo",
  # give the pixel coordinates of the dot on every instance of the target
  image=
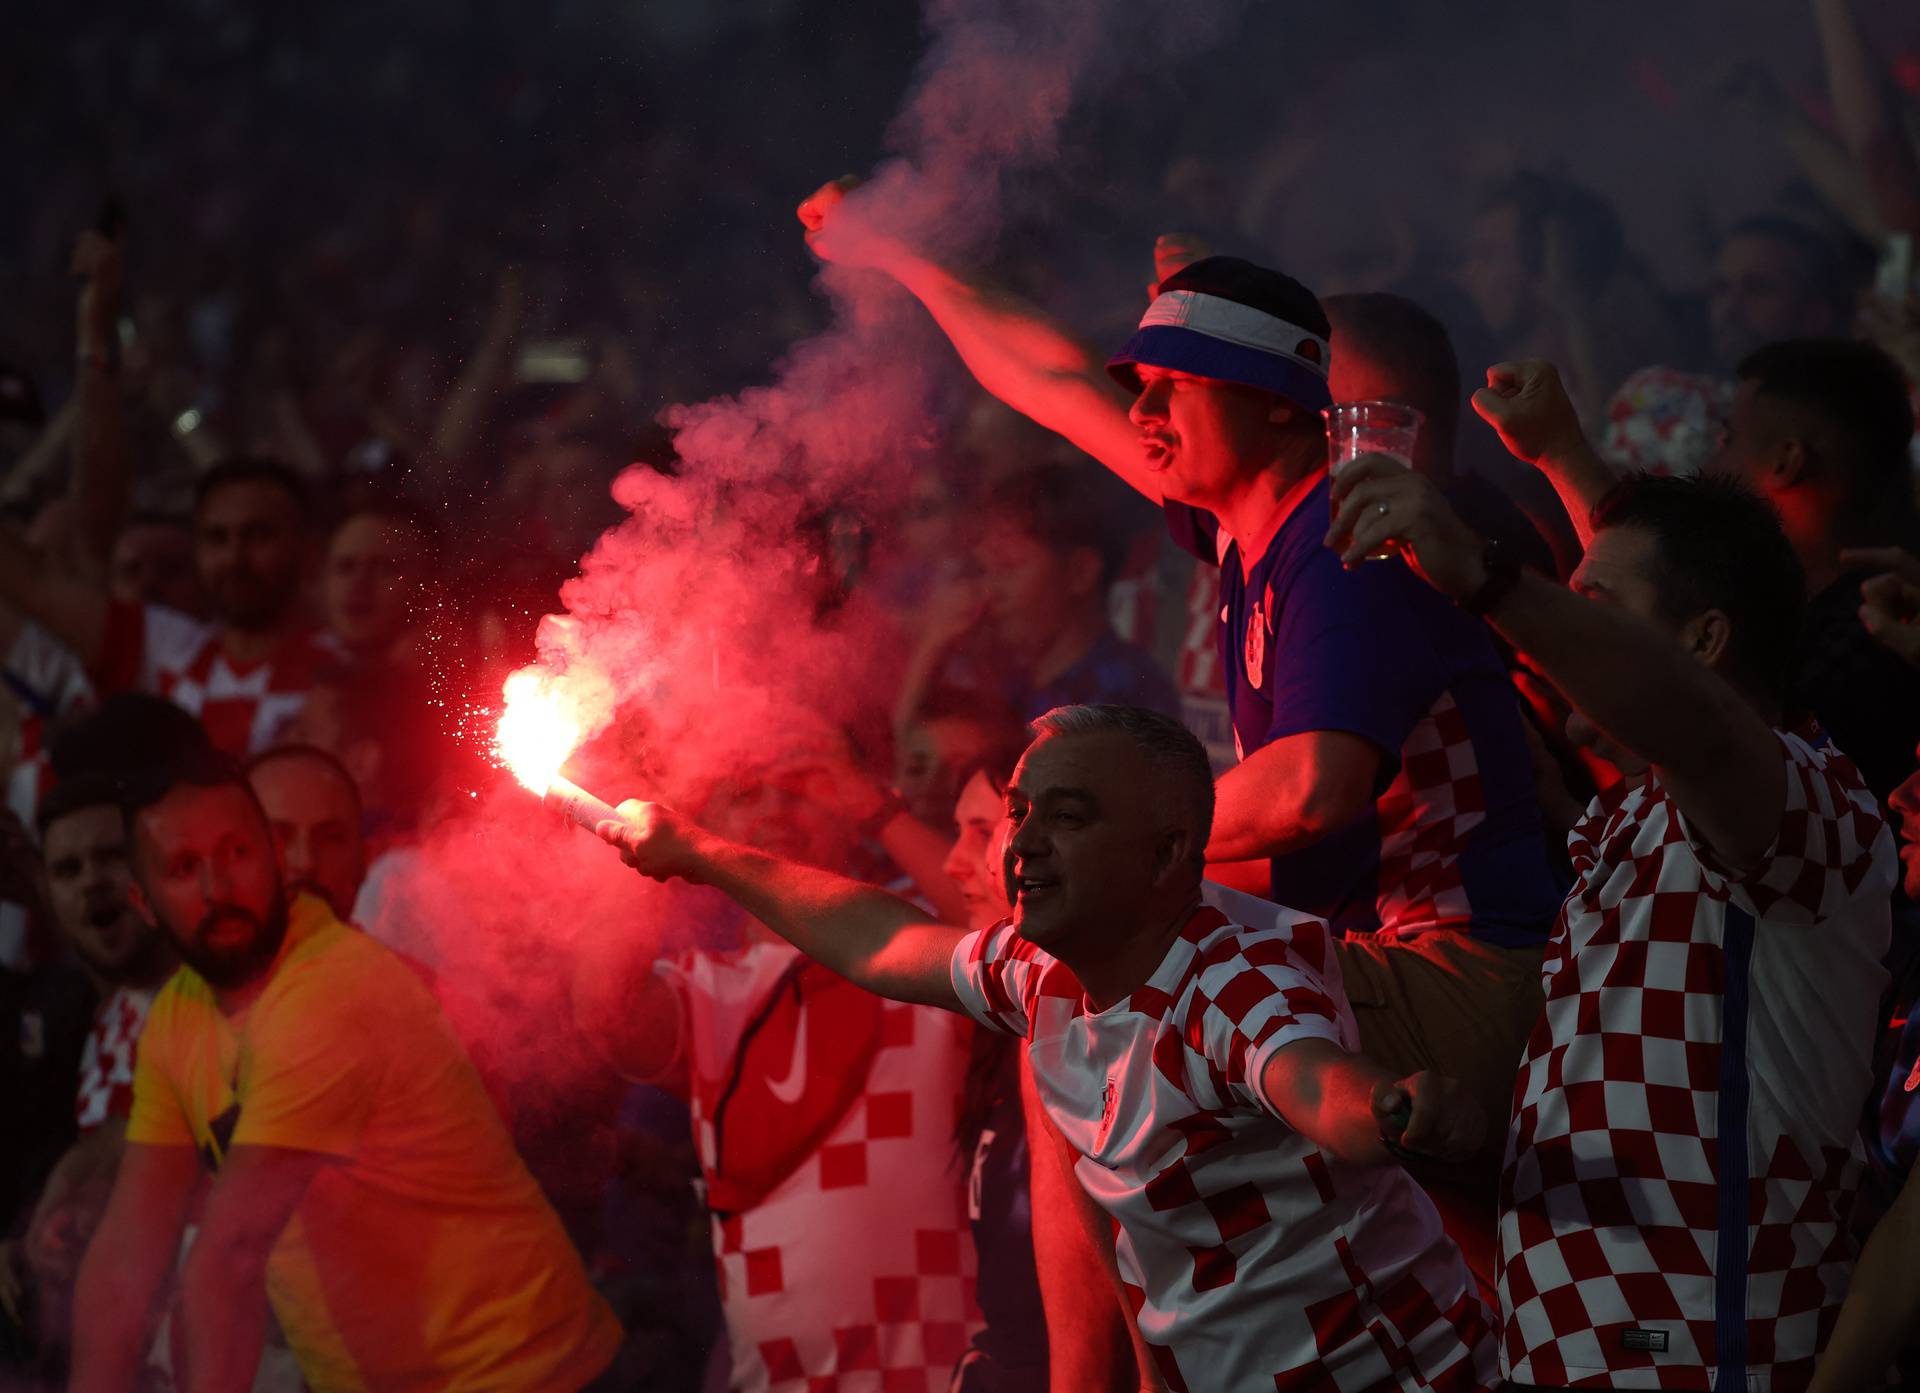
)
(789, 1089)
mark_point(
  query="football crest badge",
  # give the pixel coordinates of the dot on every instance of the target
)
(1256, 646)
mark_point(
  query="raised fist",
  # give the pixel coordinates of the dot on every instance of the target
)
(1526, 403)
(838, 229)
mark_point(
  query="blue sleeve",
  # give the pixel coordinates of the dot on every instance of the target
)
(1194, 530)
(1358, 651)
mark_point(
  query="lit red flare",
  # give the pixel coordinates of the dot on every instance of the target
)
(538, 731)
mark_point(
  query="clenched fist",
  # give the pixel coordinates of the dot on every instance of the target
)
(1526, 403)
(655, 840)
(838, 229)
(1430, 1114)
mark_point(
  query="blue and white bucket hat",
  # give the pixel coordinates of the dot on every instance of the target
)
(1233, 321)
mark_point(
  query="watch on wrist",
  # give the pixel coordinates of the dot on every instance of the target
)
(1502, 574)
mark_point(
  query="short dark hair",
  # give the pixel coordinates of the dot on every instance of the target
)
(1720, 546)
(125, 733)
(74, 795)
(1007, 732)
(1859, 393)
(1823, 261)
(1065, 509)
(1169, 746)
(205, 769)
(251, 469)
(1406, 342)
(313, 754)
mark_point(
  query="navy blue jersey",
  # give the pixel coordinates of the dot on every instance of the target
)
(1454, 838)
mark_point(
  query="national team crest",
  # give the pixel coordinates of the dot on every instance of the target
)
(1256, 646)
(1109, 1104)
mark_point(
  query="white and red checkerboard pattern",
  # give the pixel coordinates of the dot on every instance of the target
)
(1425, 816)
(106, 1063)
(1665, 421)
(1619, 1180)
(243, 709)
(856, 1273)
(1254, 1259)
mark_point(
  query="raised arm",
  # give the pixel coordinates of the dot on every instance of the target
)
(1013, 348)
(873, 939)
(1711, 749)
(100, 480)
(1868, 121)
(1527, 404)
(127, 1265)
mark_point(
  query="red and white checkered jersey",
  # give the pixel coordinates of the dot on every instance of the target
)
(154, 649)
(1684, 1150)
(1425, 817)
(855, 1272)
(106, 1063)
(1254, 1259)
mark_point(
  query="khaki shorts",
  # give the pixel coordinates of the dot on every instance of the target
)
(1447, 1002)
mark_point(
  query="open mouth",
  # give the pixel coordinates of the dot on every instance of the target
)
(1157, 452)
(106, 916)
(1030, 887)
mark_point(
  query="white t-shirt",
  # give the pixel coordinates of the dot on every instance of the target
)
(1254, 1259)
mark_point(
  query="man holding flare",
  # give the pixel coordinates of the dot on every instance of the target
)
(1205, 1071)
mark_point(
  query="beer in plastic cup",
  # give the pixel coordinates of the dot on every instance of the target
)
(1356, 428)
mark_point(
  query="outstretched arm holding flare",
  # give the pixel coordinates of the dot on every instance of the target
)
(881, 942)
(872, 938)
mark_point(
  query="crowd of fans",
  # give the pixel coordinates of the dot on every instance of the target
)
(1447, 921)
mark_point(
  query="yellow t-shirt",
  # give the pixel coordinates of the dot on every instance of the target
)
(427, 1258)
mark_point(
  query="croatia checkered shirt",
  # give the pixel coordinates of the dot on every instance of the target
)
(855, 1274)
(1253, 1259)
(151, 648)
(106, 1062)
(1684, 1149)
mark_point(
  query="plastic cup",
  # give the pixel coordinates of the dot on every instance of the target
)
(1356, 428)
